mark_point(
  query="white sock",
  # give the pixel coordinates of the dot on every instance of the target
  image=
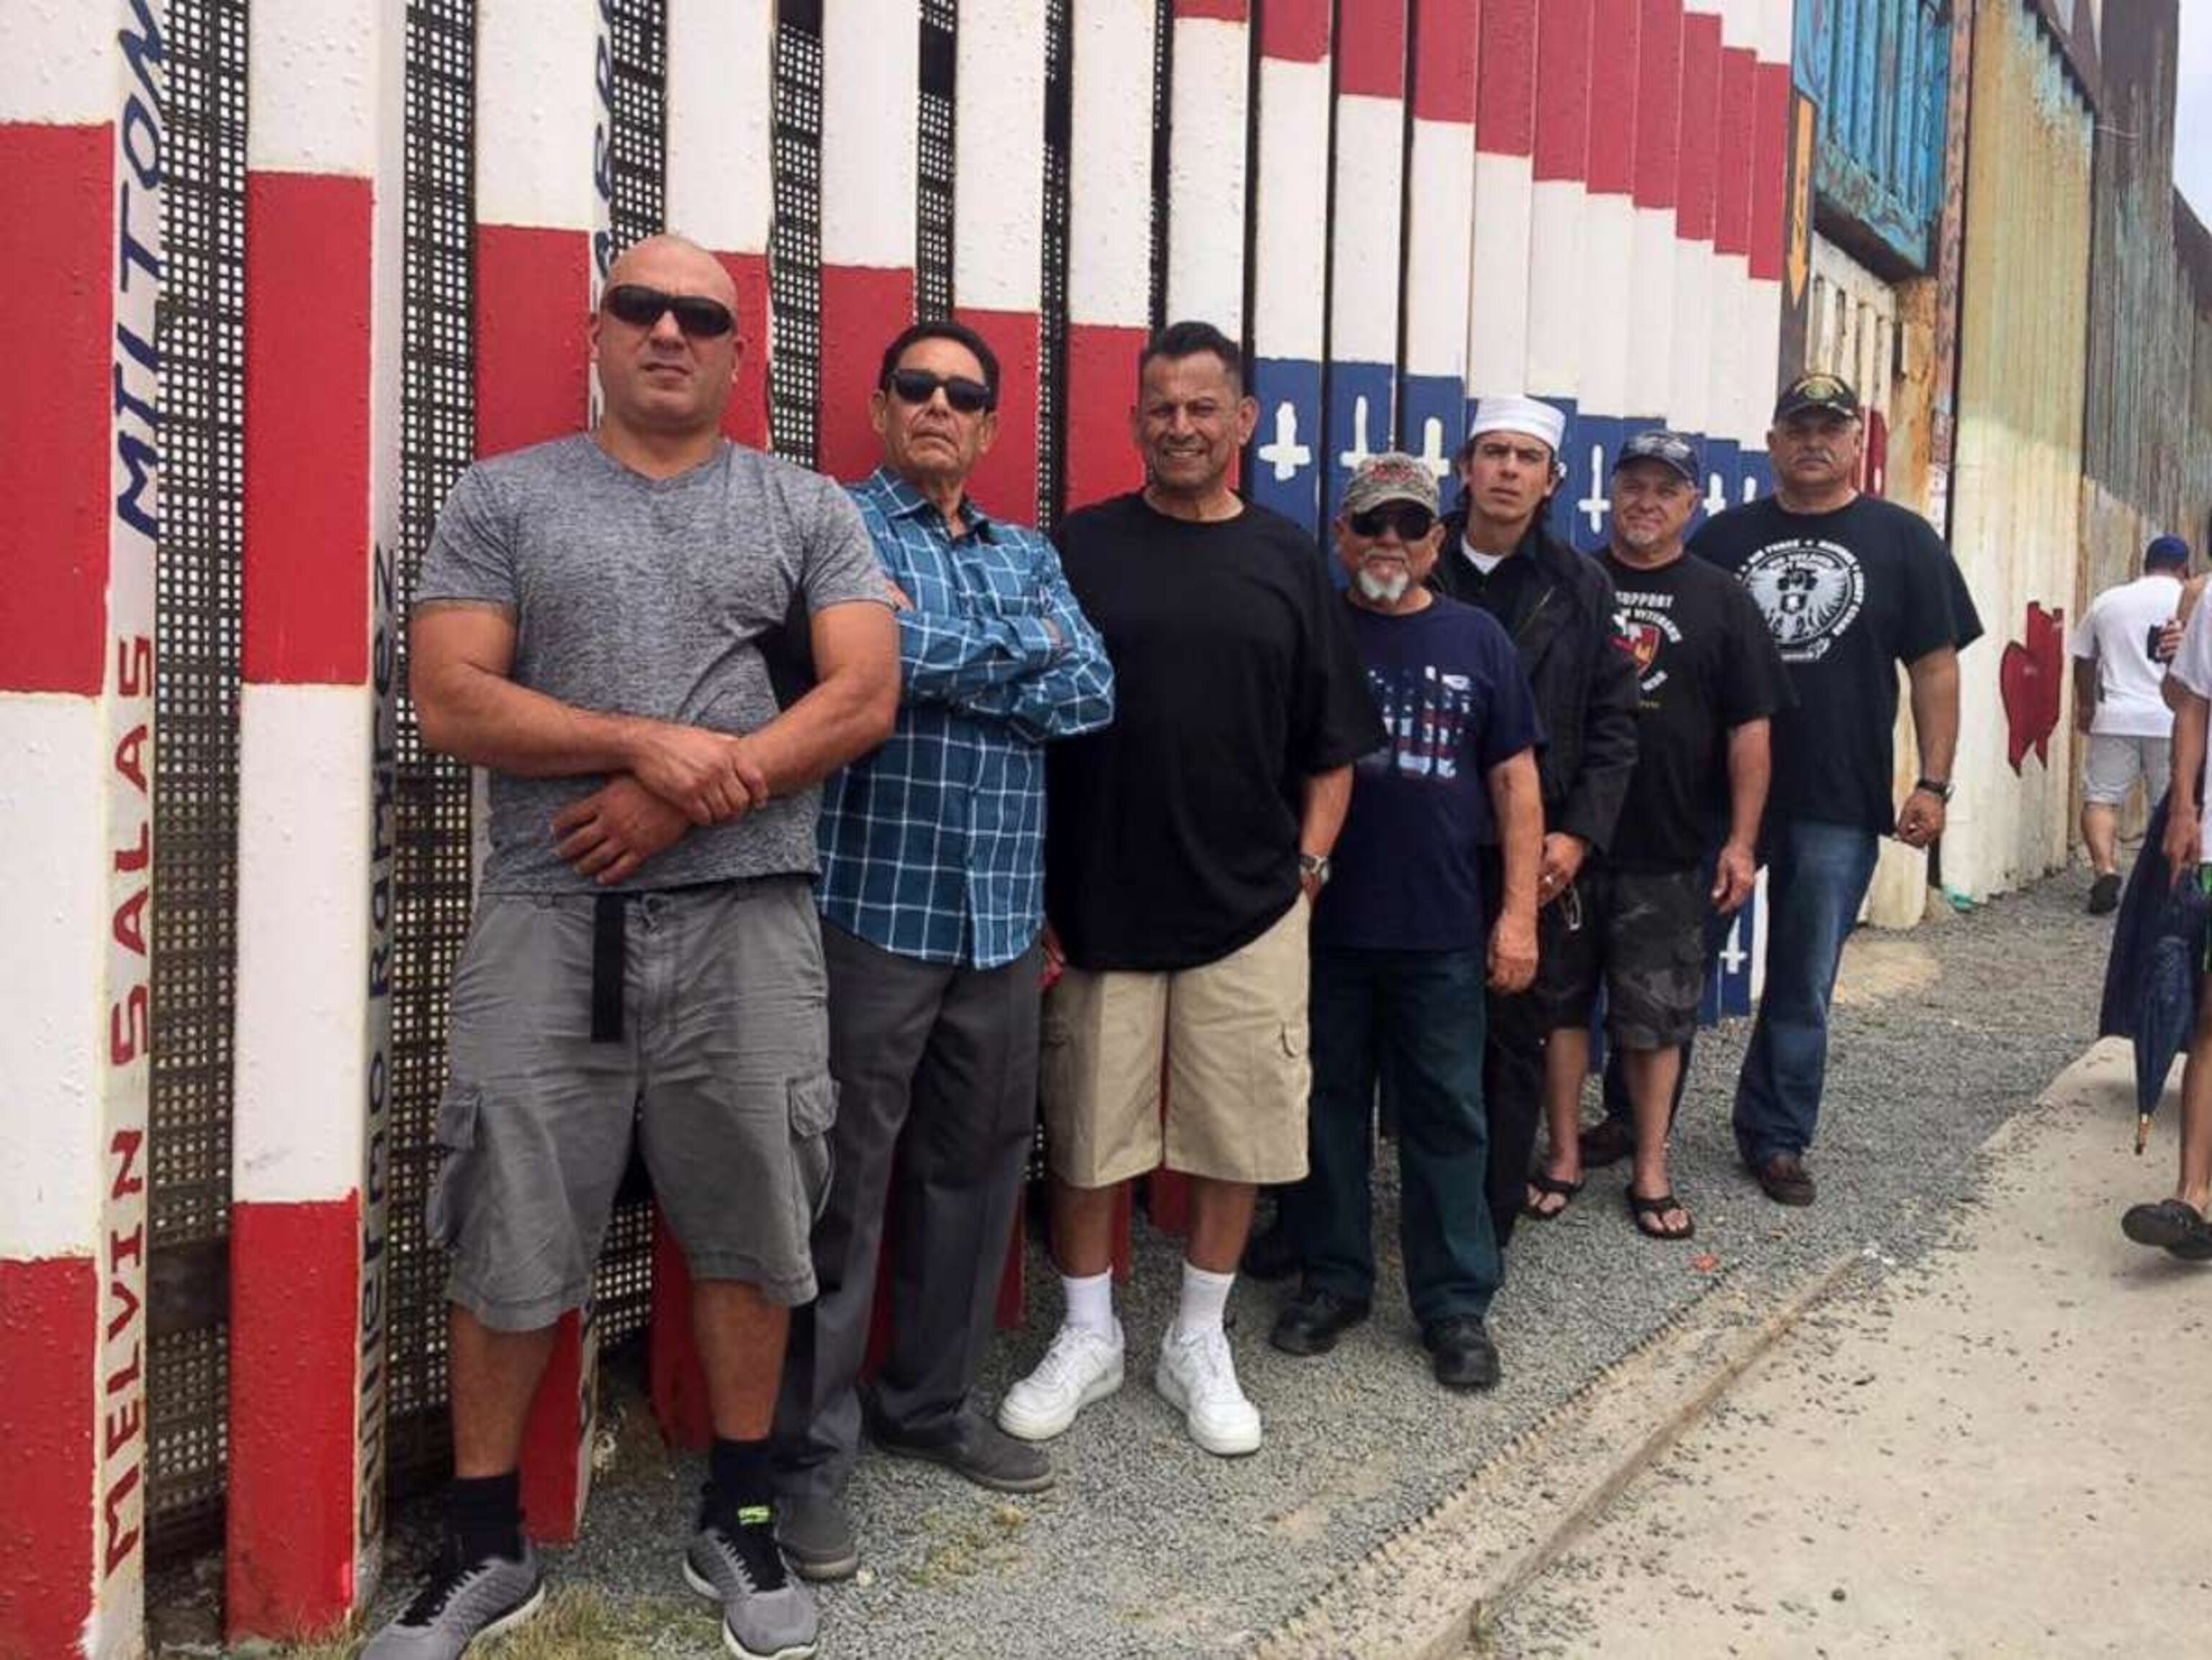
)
(1205, 1299)
(1090, 1302)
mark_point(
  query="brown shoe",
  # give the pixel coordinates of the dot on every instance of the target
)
(1785, 1179)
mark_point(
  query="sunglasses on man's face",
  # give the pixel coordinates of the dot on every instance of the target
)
(918, 386)
(642, 307)
(1409, 518)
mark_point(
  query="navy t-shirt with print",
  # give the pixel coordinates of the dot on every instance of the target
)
(1407, 873)
(1848, 596)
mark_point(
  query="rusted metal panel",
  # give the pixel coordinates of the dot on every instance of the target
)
(2022, 379)
(1878, 71)
(2147, 462)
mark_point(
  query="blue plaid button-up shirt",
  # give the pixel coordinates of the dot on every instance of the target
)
(933, 846)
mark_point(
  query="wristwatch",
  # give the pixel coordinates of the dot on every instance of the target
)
(1315, 865)
(1939, 788)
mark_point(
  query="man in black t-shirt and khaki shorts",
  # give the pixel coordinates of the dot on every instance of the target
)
(1708, 679)
(1183, 847)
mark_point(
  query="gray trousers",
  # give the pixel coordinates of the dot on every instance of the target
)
(936, 1068)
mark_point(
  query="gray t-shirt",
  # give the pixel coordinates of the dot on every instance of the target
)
(647, 597)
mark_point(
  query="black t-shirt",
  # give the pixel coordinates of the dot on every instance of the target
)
(1407, 871)
(1848, 596)
(1171, 837)
(1704, 665)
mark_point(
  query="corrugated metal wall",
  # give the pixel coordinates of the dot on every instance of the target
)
(2024, 318)
(2147, 455)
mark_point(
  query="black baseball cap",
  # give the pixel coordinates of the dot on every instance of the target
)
(1817, 392)
(1657, 444)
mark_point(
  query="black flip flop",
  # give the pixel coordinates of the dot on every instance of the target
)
(1552, 1185)
(2173, 1225)
(1639, 1208)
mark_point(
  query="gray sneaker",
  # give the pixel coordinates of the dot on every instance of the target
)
(816, 1535)
(462, 1602)
(767, 1613)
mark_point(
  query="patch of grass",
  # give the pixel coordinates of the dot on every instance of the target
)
(577, 1623)
(976, 1543)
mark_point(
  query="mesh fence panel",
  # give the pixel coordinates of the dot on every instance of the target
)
(932, 224)
(196, 620)
(638, 30)
(794, 371)
(431, 811)
(1052, 320)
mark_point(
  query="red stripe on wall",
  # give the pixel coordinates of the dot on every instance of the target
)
(1617, 26)
(294, 1283)
(1294, 29)
(49, 1324)
(1102, 387)
(532, 311)
(746, 419)
(862, 307)
(1658, 103)
(56, 234)
(553, 1450)
(1563, 90)
(1444, 74)
(1769, 179)
(1505, 79)
(1229, 11)
(1370, 48)
(1699, 132)
(1734, 147)
(306, 587)
(1005, 480)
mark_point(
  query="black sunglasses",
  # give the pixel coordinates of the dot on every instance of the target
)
(1411, 519)
(642, 307)
(918, 386)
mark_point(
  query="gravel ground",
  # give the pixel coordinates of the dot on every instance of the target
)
(1148, 1546)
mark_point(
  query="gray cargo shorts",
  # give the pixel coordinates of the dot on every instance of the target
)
(722, 1071)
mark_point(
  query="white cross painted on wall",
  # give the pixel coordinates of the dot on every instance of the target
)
(1596, 505)
(1284, 453)
(1732, 955)
(1432, 449)
(1716, 500)
(1351, 458)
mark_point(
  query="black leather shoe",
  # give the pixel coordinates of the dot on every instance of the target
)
(1271, 1253)
(1312, 1321)
(975, 1447)
(1461, 1352)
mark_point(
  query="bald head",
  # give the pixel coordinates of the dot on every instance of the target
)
(676, 264)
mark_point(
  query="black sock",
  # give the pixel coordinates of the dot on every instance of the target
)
(486, 1512)
(739, 1477)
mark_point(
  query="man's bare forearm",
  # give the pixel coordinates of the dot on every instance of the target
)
(1750, 769)
(1328, 798)
(2191, 717)
(1517, 801)
(487, 720)
(844, 717)
(1935, 713)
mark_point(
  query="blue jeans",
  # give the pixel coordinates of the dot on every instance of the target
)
(1816, 880)
(1412, 1020)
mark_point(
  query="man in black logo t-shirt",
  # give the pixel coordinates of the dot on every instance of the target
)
(1708, 679)
(1851, 586)
(1184, 845)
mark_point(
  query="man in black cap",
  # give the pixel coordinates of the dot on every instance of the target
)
(1851, 586)
(1708, 679)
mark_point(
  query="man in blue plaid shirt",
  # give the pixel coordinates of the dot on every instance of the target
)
(932, 902)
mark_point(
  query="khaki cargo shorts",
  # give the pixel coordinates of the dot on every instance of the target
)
(1230, 1039)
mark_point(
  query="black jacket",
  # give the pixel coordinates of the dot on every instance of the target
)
(1584, 684)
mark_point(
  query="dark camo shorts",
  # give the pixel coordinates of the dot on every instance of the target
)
(722, 1074)
(1645, 932)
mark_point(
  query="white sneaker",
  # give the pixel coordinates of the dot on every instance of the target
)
(1197, 1377)
(1081, 1367)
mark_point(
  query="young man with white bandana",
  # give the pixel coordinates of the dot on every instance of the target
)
(1558, 607)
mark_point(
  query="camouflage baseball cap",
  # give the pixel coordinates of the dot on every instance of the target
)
(1394, 476)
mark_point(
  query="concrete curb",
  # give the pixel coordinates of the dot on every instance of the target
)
(1419, 1594)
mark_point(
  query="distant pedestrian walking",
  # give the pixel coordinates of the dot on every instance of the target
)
(2120, 648)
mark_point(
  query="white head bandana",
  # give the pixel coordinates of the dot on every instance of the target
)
(1519, 415)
